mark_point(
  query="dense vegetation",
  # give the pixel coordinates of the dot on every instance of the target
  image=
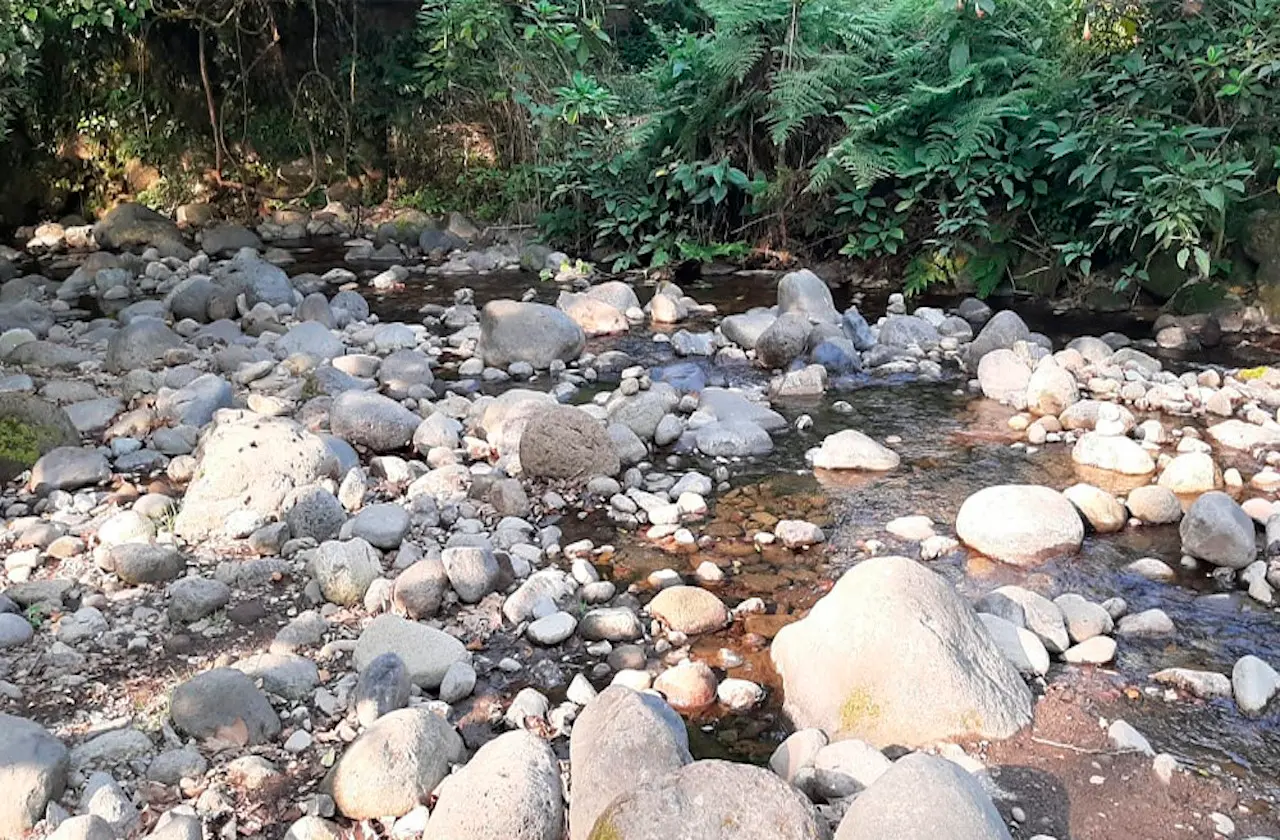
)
(977, 140)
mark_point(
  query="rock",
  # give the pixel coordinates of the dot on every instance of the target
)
(228, 239)
(611, 624)
(311, 338)
(313, 512)
(437, 431)
(394, 765)
(797, 752)
(746, 328)
(29, 428)
(1125, 738)
(194, 404)
(259, 281)
(382, 688)
(1215, 529)
(1051, 388)
(313, 828)
(1204, 684)
(1152, 569)
(1020, 646)
(552, 629)
(136, 563)
(249, 463)
(805, 293)
(566, 443)
(1112, 453)
(139, 345)
(918, 797)
(1191, 473)
(732, 439)
(224, 704)
(594, 316)
(852, 450)
(419, 590)
(288, 675)
(458, 682)
(132, 225)
(383, 526)
(553, 585)
(363, 418)
(1152, 622)
(798, 534)
(1099, 508)
(710, 800)
(843, 769)
(33, 773)
(1154, 505)
(621, 742)
(1096, 651)
(688, 687)
(1004, 377)
(69, 468)
(171, 767)
(1083, 618)
(858, 665)
(84, 827)
(783, 342)
(473, 571)
(689, 610)
(527, 332)
(194, 598)
(908, 331)
(426, 652)
(1254, 683)
(1020, 524)
(1237, 434)
(1004, 330)
(345, 570)
(510, 790)
(14, 631)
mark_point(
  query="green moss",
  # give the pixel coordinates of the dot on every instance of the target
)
(22, 443)
(859, 711)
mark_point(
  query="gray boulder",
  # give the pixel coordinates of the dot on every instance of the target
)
(346, 570)
(228, 239)
(69, 468)
(712, 800)
(426, 652)
(621, 742)
(746, 328)
(1217, 530)
(223, 703)
(566, 443)
(1004, 330)
(892, 655)
(259, 281)
(249, 462)
(32, 427)
(805, 293)
(527, 332)
(194, 404)
(368, 419)
(139, 345)
(784, 341)
(26, 315)
(311, 338)
(138, 562)
(194, 598)
(33, 773)
(510, 790)
(732, 439)
(394, 765)
(923, 797)
(908, 330)
(382, 688)
(133, 225)
(313, 512)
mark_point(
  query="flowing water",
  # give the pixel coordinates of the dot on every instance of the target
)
(951, 445)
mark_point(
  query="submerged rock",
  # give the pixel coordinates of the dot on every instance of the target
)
(892, 655)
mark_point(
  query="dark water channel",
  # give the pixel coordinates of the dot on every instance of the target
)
(952, 445)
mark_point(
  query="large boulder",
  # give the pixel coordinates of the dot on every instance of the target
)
(224, 704)
(527, 332)
(132, 225)
(689, 609)
(368, 419)
(249, 462)
(505, 418)
(566, 443)
(30, 427)
(510, 790)
(907, 331)
(139, 345)
(923, 797)
(1020, 524)
(1217, 530)
(712, 800)
(1004, 330)
(33, 773)
(746, 328)
(852, 450)
(805, 293)
(258, 280)
(1004, 377)
(617, 294)
(228, 239)
(892, 655)
(784, 341)
(621, 741)
(69, 468)
(426, 652)
(394, 765)
(1237, 434)
(1191, 473)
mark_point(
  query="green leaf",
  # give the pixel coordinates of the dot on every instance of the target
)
(959, 56)
(1202, 261)
(1183, 255)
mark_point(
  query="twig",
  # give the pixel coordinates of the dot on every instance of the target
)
(1048, 743)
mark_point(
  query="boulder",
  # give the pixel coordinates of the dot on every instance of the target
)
(1004, 330)
(746, 328)
(368, 419)
(251, 463)
(1099, 508)
(1237, 434)
(805, 293)
(426, 652)
(712, 800)
(621, 741)
(1112, 453)
(1217, 530)
(527, 332)
(617, 294)
(394, 765)
(1020, 524)
(140, 345)
(1004, 377)
(689, 609)
(732, 439)
(1051, 388)
(566, 443)
(258, 280)
(923, 797)
(29, 428)
(133, 225)
(594, 316)
(310, 338)
(346, 570)
(784, 341)
(892, 655)
(1191, 473)
(228, 239)
(69, 468)
(852, 450)
(908, 331)
(510, 790)
(224, 704)
(33, 773)
(1154, 505)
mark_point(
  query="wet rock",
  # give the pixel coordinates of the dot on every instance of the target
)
(621, 741)
(852, 450)
(69, 468)
(426, 652)
(394, 765)
(809, 381)
(225, 704)
(1112, 453)
(1152, 622)
(689, 686)
(1154, 505)
(711, 800)
(510, 790)
(527, 332)
(566, 443)
(1099, 508)
(732, 439)
(1254, 683)
(689, 609)
(1204, 684)
(783, 342)
(33, 769)
(856, 664)
(249, 463)
(1151, 569)
(1020, 524)
(1216, 530)
(345, 570)
(1083, 618)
